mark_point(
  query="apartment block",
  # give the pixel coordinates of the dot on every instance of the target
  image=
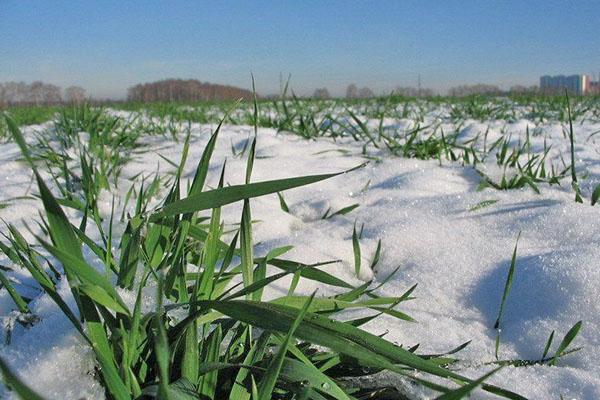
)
(575, 84)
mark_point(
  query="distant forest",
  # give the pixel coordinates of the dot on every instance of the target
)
(185, 90)
(39, 93)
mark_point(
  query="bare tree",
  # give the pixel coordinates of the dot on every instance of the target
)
(352, 91)
(16, 92)
(321, 93)
(3, 95)
(51, 94)
(75, 94)
(413, 92)
(365, 93)
(467, 90)
(185, 90)
(36, 93)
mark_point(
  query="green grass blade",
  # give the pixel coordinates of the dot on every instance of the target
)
(356, 251)
(483, 204)
(574, 182)
(310, 272)
(161, 346)
(508, 284)
(569, 337)
(202, 168)
(596, 195)
(346, 339)
(254, 354)
(67, 243)
(91, 281)
(16, 297)
(246, 245)
(341, 211)
(548, 344)
(231, 194)
(377, 256)
(284, 205)
(269, 379)
(208, 381)
(465, 390)
(318, 381)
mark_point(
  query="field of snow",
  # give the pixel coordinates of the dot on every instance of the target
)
(442, 233)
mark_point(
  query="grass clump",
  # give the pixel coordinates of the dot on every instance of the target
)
(367, 121)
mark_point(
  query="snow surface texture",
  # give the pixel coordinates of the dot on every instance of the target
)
(420, 211)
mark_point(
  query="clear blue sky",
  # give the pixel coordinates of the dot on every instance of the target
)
(108, 45)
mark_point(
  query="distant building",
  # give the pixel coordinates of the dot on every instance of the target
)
(585, 84)
(575, 84)
(594, 88)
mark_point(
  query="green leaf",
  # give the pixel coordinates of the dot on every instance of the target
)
(370, 349)
(100, 296)
(69, 247)
(269, 379)
(483, 204)
(91, 281)
(182, 389)
(332, 305)
(246, 246)
(309, 271)
(508, 284)
(302, 372)
(253, 355)
(208, 381)
(569, 337)
(356, 250)
(548, 344)
(596, 195)
(463, 391)
(16, 297)
(342, 211)
(377, 255)
(231, 194)
(100, 344)
(202, 168)
(61, 231)
(282, 203)
(130, 249)
(161, 346)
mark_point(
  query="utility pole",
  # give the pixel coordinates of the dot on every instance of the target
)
(419, 84)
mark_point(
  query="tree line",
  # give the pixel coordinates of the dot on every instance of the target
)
(38, 93)
(185, 90)
(353, 92)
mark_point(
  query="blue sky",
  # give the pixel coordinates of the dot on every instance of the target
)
(108, 45)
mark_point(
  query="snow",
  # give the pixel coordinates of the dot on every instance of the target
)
(421, 212)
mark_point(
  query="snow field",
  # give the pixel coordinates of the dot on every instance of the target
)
(421, 212)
